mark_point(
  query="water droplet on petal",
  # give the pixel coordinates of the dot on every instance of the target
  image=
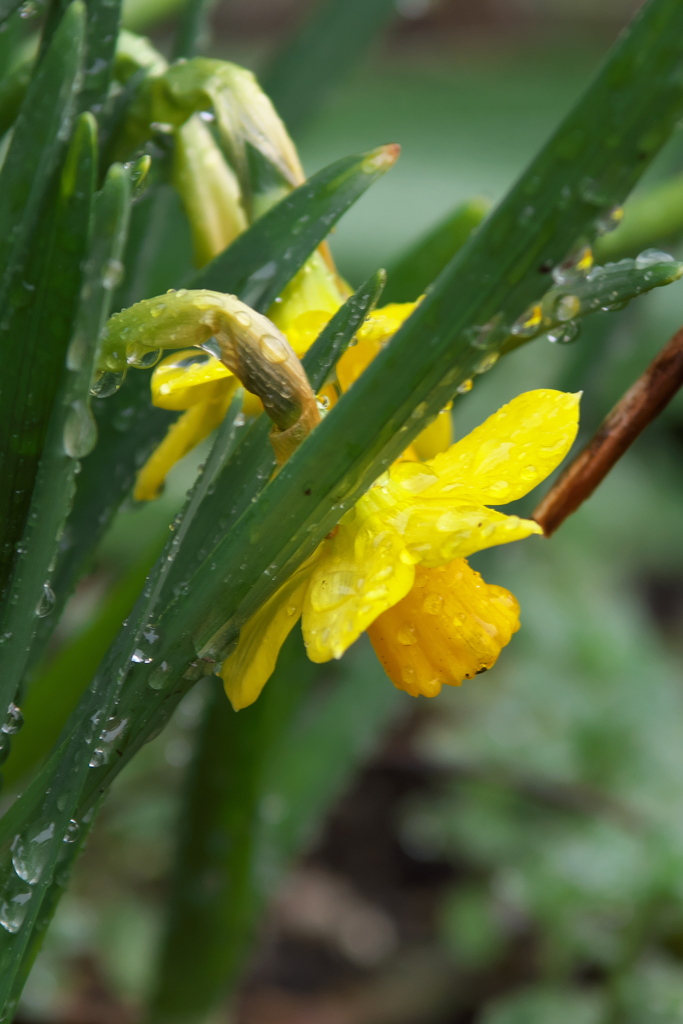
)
(433, 604)
(274, 349)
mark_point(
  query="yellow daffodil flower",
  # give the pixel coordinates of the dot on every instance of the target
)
(395, 566)
(201, 387)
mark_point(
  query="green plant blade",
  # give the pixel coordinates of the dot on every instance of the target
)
(102, 28)
(43, 123)
(59, 685)
(192, 25)
(323, 51)
(35, 335)
(424, 261)
(72, 433)
(304, 218)
(8, 7)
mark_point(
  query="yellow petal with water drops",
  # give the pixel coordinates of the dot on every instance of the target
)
(188, 430)
(437, 532)
(246, 671)
(382, 323)
(314, 288)
(450, 626)
(363, 570)
(512, 451)
(187, 377)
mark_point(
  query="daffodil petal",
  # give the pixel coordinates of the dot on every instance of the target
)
(378, 328)
(188, 430)
(435, 438)
(437, 532)
(450, 626)
(187, 377)
(246, 671)
(363, 570)
(511, 452)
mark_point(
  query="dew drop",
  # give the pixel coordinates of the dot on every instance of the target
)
(46, 602)
(30, 853)
(72, 830)
(80, 430)
(107, 383)
(140, 658)
(466, 386)
(433, 604)
(567, 307)
(13, 910)
(407, 636)
(14, 720)
(650, 257)
(142, 358)
(159, 677)
(487, 362)
(112, 273)
(274, 349)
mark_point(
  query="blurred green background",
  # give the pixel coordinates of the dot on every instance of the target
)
(512, 851)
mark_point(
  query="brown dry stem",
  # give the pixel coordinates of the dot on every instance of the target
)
(641, 404)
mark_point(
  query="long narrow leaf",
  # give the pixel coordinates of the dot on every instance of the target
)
(43, 124)
(26, 879)
(72, 432)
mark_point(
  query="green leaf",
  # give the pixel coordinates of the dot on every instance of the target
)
(72, 433)
(192, 27)
(424, 261)
(48, 330)
(249, 268)
(8, 7)
(101, 33)
(43, 123)
(59, 684)
(35, 334)
(323, 51)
